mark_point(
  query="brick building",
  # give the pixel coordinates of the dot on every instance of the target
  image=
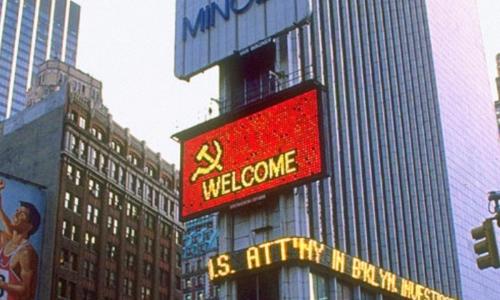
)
(112, 227)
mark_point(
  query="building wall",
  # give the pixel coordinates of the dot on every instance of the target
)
(124, 223)
(30, 146)
(470, 135)
(497, 103)
(497, 111)
(498, 76)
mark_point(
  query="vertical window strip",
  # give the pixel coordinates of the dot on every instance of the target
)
(65, 31)
(2, 23)
(394, 46)
(431, 106)
(370, 130)
(360, 159)
(51, 27)
(412, 157)
(394, 143)
(33, 43)
(14, 58)
(2, 20)
(393, 258)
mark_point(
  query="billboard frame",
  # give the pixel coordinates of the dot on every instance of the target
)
(245, 111)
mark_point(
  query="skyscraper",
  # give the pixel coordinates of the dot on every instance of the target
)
(410, 142)
(32, 31)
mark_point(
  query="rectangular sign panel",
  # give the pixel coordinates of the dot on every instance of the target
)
(269, 148)
(208, 31)
(23, 205)
(300, 250)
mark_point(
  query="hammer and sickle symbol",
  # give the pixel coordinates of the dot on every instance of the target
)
(213, 161)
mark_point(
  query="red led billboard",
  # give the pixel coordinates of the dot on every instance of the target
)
(268, 148)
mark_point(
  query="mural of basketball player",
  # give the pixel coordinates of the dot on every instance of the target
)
(18, 259)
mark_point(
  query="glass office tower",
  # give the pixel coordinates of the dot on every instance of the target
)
(411, 145)
(467, 124)
(32, 31)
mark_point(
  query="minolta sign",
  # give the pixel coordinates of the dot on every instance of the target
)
(207, 16)
(208, 31)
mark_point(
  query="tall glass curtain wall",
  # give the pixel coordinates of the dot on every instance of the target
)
(72, 37)
(26, 27)
(411, 140)
(469, 129)
(388, 197)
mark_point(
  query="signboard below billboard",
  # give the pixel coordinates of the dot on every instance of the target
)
(22, 206)
(275, 145)
(300, 250)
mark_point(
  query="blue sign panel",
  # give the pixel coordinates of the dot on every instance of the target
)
(207, 16)
(207, 32)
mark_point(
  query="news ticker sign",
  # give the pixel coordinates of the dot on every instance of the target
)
(209, 31)
(273, 146)
(300, 250)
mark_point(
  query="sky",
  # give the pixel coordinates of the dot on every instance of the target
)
(129, 46)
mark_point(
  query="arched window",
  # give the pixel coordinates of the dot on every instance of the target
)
(117, 146)
(97, 132)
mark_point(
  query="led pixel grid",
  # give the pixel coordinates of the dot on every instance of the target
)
(274, 147)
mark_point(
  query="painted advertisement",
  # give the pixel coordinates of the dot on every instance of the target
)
(273, 147)
(22, 206)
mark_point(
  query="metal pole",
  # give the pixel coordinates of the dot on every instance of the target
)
(258, 287)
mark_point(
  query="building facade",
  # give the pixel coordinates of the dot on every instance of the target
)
(410, 141)
(32, 31)
(497, 80)
(112, 227)
(497, 111)
(200, 243)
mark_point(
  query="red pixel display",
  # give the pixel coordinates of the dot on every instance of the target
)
(274, 147)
